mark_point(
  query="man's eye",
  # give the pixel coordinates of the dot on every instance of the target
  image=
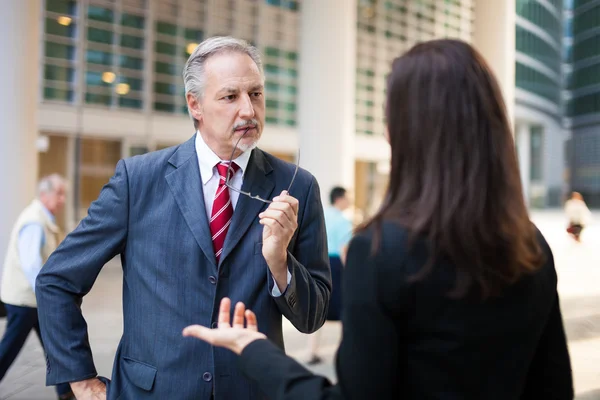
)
(256, 94)
(230, 97)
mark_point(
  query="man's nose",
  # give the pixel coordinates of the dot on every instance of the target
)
(246, 107)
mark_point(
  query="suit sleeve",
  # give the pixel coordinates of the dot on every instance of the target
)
(367, 361)
(69, 274)
(306, 299)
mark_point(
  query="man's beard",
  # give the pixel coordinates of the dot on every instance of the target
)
(244, 147)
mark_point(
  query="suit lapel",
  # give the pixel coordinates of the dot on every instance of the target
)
(258, 181)
(185, 183)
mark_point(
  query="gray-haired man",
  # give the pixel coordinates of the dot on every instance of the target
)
(171, 218)
(34, 237)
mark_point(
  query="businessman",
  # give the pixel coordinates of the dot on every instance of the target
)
(188, 234)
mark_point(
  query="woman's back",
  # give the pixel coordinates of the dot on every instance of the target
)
(434, 347)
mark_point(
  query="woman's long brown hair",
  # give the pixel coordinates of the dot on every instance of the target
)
(454, 176)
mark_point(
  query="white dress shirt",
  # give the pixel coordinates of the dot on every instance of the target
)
(208, 160)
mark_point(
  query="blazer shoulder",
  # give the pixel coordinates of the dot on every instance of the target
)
(149, 161)
(303, 177)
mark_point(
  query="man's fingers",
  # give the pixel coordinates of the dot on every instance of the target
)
(279, 216)
(251, 322)
(285, 197)
(224, 319)
(272, 223)
(238, 315)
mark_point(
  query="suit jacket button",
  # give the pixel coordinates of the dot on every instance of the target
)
(212, 280)
(207, 376)
(214, 325)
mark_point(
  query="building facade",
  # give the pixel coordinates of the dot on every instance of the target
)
(93, 81)
(539, 133)
(583, 97)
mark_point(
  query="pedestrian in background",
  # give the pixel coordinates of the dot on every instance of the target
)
(339, 233)
(578, 215)
(34, 237)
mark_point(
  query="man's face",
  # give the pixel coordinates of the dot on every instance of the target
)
(54, 200)
(233, 101)
(343, 202)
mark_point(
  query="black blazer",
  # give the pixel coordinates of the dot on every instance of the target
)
(408, 341)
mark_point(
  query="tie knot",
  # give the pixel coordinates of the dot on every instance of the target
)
(223, 167)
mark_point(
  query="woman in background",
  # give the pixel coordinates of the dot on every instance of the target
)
(578, 215)
(449, 290)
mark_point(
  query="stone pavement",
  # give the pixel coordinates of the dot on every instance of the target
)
(578, 266)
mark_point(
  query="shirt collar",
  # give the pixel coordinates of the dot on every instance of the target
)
(208, 159)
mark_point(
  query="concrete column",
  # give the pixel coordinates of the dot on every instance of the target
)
(494, 38)
(523, 140)
(326, 110)
(20, 71)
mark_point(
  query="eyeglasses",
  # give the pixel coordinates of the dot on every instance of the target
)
(230, 172)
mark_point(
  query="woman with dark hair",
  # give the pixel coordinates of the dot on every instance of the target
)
(450, 290)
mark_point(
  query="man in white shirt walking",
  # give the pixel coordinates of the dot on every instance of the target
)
(34, 237)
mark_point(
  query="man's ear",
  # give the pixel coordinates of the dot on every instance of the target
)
(194, 106)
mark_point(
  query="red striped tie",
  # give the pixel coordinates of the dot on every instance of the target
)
(222, 210)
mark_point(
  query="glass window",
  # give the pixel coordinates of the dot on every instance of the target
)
(58, 27)
(165, 48)
(587, 20)
(272, 52)
(98, 57)
(272, 86)
(536, 142)
(56, 50)
(167, 68)
(166, 28)
(134, 42)
(100, 36)
(93, 78)
(102, 99)
(100, 14)
(534, 46)
(129, 102)
(535, 82)
(272, 69)
(131, 62)
(166, 88)
(194, 34)
(67, 7)
(56, 73)
(132, 21)
(164, 107)
(58, 94)
(134, 83)
(540, 16)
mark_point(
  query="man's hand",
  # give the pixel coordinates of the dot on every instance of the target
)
(89, 389)
(280, 221)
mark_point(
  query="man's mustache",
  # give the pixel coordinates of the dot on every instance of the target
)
(251, 123)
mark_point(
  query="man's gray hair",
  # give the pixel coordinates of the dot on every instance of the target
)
(49, 183)
(194, 72)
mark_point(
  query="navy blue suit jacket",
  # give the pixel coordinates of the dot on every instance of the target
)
(152, 214)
